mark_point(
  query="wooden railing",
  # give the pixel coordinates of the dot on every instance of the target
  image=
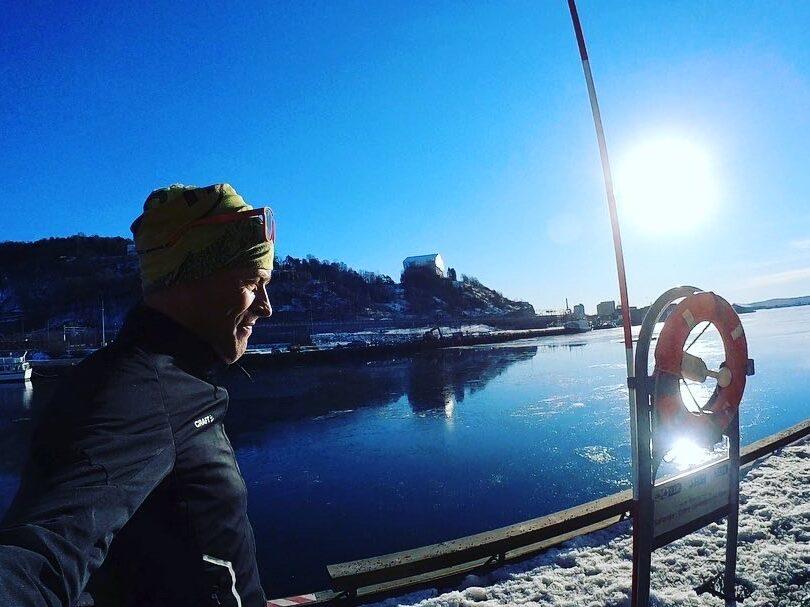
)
(421, 566)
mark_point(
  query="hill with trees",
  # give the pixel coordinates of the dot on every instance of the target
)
(56, 281)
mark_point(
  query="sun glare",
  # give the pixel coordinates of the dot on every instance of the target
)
(687, 454)
(666, 185)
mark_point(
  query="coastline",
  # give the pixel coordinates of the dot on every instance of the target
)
(337, 351)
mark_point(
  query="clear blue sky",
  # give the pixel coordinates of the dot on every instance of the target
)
(378, 130)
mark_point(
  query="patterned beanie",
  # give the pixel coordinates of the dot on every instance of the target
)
(203, 249)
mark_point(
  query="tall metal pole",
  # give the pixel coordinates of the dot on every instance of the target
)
(103, 325)
(617, 248)
(732, 525)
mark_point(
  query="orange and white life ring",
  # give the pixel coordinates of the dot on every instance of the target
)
(671, 418)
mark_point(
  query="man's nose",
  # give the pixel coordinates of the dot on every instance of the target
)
(263, 307)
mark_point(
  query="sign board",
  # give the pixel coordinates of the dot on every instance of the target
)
(685, 498)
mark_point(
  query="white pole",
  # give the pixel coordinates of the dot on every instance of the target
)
(614, 218)
(617, 249)
(103, 327)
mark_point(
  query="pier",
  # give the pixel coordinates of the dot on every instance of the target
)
(260, 357)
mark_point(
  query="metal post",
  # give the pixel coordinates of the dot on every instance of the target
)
(729, 580)
(617, 249)
(642, 502)
(103, 328)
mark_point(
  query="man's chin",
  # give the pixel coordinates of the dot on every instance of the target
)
(240, 347)
(232, 352)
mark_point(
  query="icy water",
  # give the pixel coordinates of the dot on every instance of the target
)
(347, 461)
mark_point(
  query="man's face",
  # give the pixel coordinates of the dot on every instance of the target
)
(232, 301)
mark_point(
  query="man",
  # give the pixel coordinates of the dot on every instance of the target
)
(132, 495)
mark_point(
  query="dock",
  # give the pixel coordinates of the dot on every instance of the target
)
(44, 369)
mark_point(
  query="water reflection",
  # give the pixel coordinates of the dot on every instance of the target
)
(450, 406)
(441, 379)
(431, 386)
(27, 394)
(18, 404)
(15, 397)
(437, 380)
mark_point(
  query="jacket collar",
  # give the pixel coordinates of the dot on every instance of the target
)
(163, 335)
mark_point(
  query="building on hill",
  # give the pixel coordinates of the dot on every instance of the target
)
(433, 261)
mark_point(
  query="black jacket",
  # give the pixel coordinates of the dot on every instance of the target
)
(132, 494)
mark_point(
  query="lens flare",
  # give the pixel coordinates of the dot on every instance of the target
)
(685, 454)
(667, 185)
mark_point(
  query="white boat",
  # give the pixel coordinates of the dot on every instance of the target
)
(577, 325)
(15, 368)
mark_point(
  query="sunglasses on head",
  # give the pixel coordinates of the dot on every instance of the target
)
(262, 216)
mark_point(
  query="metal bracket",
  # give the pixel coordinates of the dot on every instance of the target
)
(640, 382)
(749, 367)
(346, 595)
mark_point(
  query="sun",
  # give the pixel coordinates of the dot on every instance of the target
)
(666, 185)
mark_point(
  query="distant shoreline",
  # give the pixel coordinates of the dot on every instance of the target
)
(778, 302)
(44, 369)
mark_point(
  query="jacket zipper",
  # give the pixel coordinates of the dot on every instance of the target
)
(229, 566)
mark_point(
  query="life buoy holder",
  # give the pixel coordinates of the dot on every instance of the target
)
(671, 418)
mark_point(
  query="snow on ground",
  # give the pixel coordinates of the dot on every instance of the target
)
(445, 330)
(391, 336)
(326, 341)
(595, 570)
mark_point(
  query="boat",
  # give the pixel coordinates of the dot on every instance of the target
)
(575, 322)
(14, 368)
(577, 325)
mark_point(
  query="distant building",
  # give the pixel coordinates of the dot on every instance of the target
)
(433, 261)
(131, 249)
(579, 311)
(606, 308)
(636, 314)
